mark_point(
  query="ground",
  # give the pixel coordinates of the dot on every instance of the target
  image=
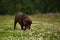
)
(44, 27)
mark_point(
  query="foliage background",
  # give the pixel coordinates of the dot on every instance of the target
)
(29, 6)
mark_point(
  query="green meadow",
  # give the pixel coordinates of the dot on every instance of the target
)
(44, 27)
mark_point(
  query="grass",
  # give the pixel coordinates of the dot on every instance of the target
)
(45, 28)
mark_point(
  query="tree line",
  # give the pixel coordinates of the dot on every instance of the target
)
(29, 6)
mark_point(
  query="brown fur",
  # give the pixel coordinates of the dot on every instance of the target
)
(23, 20)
